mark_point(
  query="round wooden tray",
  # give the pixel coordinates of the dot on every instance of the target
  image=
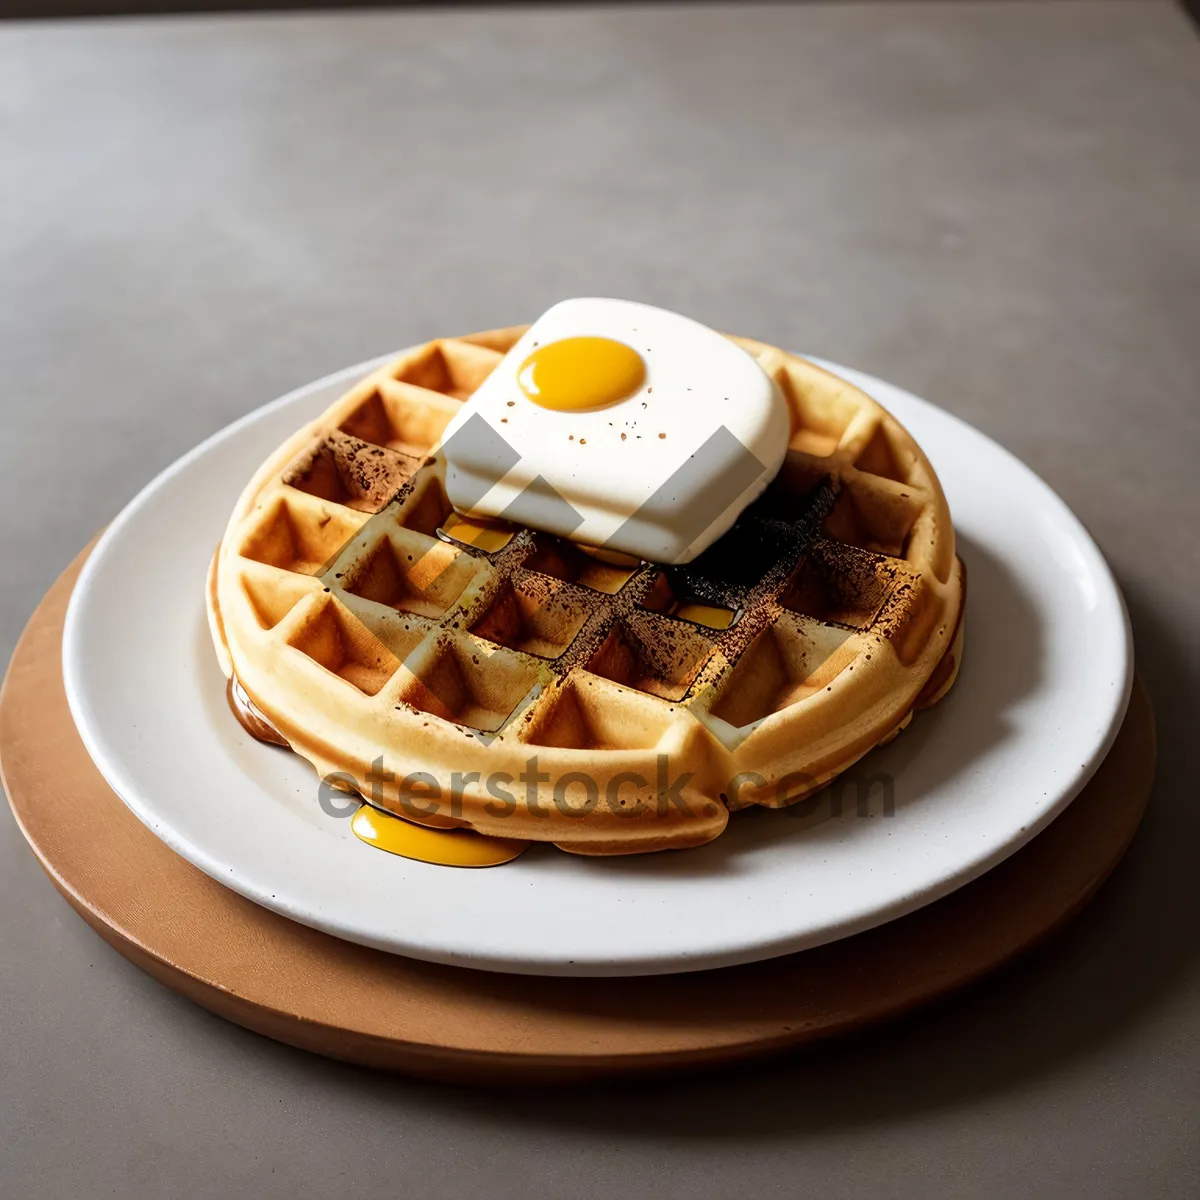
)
(342, 1000)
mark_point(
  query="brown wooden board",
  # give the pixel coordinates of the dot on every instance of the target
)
(335, 998)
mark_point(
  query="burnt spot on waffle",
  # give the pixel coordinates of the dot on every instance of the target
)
(534, 614)
(661, 598)
(761, 548)
(356, 474)
(652, 653)
(840, 585)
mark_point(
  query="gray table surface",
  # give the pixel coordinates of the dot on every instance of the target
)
(995, 205)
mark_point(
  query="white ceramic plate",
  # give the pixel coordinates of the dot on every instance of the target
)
(1047, 672)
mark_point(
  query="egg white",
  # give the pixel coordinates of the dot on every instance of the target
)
(637, 458)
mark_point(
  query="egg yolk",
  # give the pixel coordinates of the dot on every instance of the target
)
(581, 373)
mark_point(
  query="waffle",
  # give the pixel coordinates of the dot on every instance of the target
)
(513, 683)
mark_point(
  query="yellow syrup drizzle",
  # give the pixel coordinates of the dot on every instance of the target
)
(707, 615)
(442, 847)
(483, 535)
(580, 373)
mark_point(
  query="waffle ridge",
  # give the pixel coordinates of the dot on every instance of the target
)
(382, 648)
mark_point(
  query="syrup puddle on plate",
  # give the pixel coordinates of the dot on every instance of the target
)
(442, 847)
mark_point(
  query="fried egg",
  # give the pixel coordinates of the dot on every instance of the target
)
(623, 427)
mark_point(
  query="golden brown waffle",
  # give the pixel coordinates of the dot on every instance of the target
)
(539, 692)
